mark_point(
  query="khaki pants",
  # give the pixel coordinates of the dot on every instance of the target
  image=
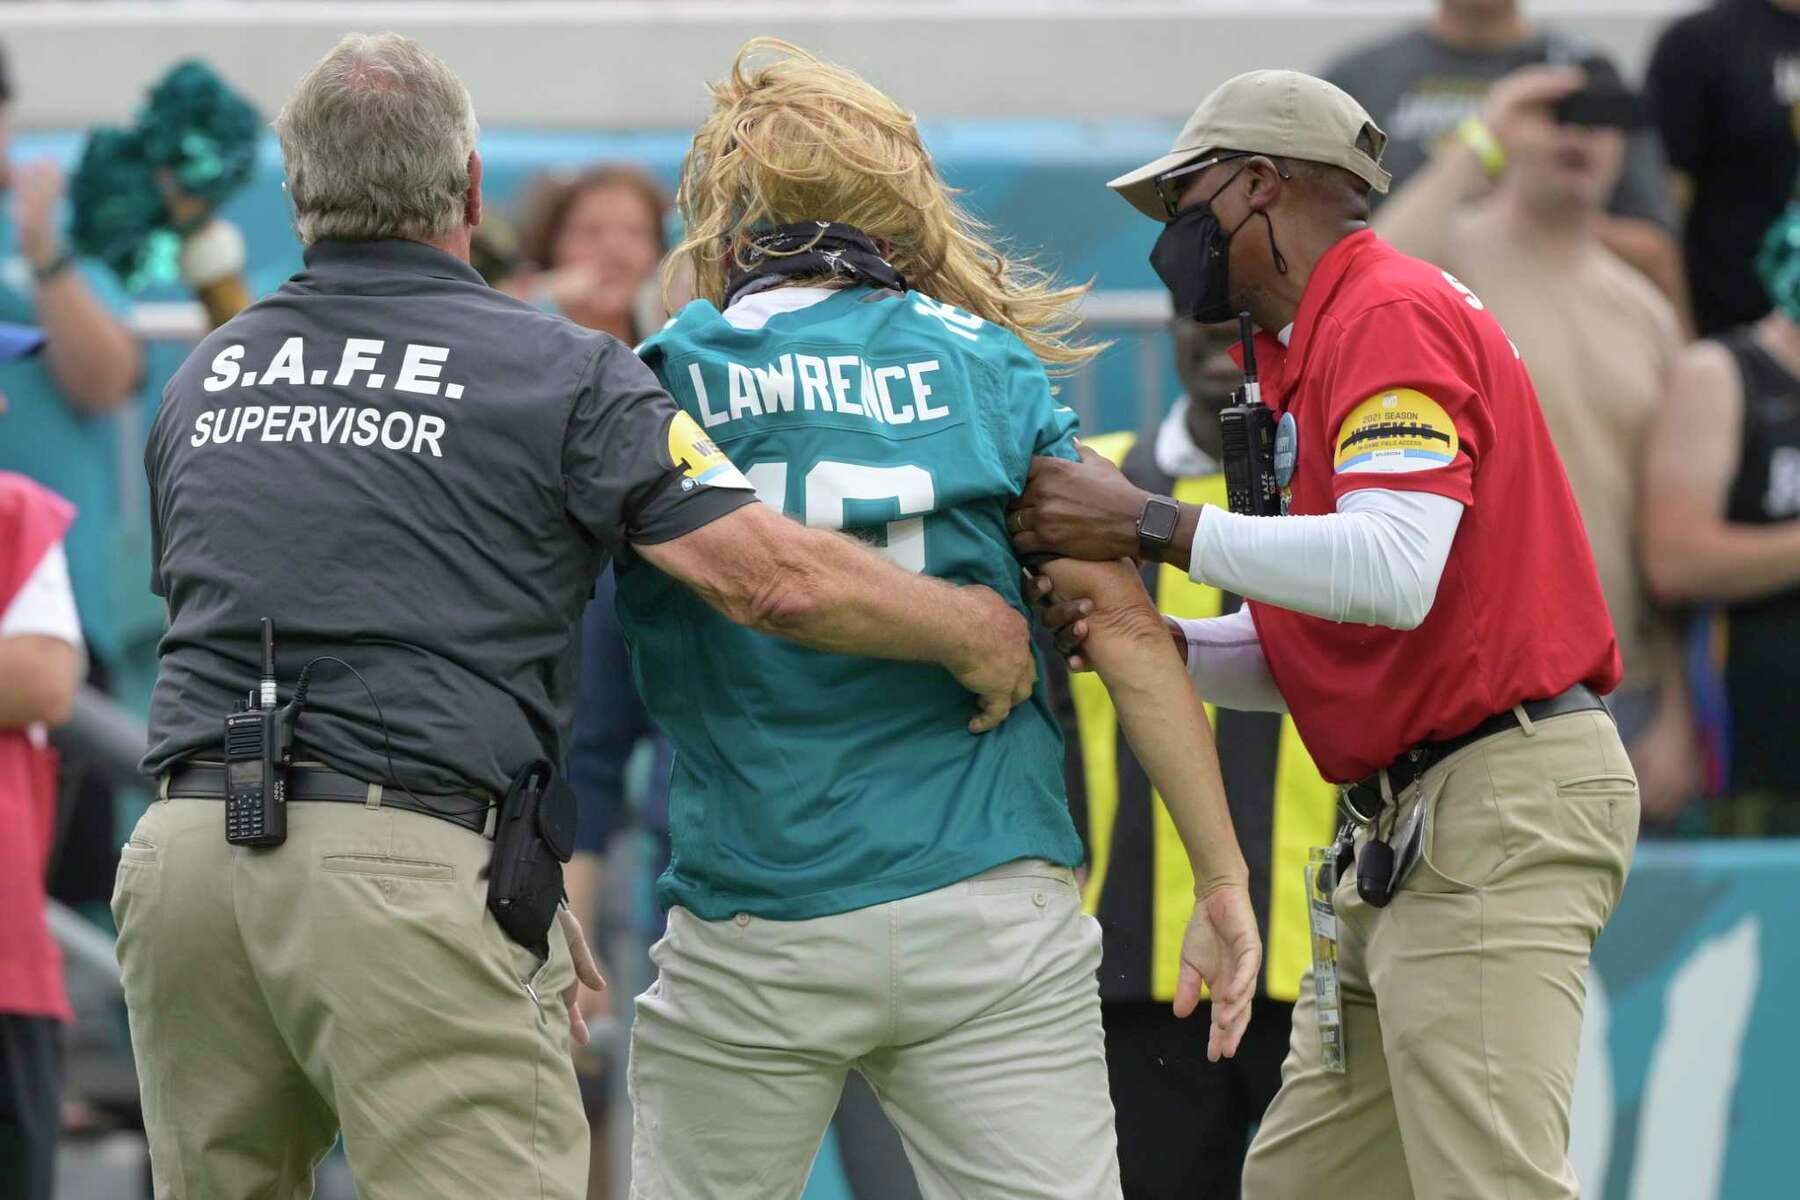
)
(351, 978)
(973, 1010)
(1462, 999)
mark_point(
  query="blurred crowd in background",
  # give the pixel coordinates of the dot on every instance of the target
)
(1635, 257)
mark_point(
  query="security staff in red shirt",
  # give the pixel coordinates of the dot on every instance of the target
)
(1428, 610)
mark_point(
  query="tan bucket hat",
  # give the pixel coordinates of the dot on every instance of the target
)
(1284, 113)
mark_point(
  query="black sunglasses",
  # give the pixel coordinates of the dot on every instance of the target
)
(1170, 196)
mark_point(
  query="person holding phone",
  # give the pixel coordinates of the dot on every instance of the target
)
(1425, 82)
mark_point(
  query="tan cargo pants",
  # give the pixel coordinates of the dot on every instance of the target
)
(351, 978)
(1462, 999)
(973, 1010)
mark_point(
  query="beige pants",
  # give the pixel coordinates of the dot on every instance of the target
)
(1463, 998)
(973, 1010)
(351, 978)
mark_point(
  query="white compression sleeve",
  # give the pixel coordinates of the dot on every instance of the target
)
(1376, 561)
(1225, 661)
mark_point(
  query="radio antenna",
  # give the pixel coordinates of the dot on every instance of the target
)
(268, 663)
(1247, 340)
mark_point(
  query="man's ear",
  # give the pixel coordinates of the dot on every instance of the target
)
(472, 201)
(1267, 179)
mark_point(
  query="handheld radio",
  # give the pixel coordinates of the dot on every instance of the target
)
(258, 738)
(1247, 443)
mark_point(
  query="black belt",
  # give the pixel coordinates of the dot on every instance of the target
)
(206, 781)
(1364, 796)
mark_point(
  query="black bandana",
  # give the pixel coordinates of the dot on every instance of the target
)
(810, 248)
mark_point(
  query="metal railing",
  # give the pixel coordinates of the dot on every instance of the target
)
(109, 738)
(1135, 318)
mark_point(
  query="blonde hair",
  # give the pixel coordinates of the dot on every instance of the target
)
(792, 138)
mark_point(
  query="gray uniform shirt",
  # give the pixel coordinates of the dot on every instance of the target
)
(421, 476)
(1418, 90)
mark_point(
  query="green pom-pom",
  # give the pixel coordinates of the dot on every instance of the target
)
(1778, 261)
(202, 131)
(116, 204)
(194, 132)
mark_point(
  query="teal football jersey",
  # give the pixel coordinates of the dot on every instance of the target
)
(809, 783)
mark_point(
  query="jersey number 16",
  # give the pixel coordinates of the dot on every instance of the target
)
(831, 486)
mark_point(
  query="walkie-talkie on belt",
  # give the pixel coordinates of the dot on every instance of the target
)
(258, 738)
(1248, 441)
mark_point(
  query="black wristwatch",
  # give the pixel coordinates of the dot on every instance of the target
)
(56, 266)
(1156, 526)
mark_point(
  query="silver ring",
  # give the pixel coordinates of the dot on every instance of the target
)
(1356, 814)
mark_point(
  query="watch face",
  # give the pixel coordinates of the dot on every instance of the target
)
(1158, 524)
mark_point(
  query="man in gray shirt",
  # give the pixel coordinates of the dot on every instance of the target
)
(1423, 84)
(418, 479)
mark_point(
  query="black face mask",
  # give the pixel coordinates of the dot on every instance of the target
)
(1192, 258)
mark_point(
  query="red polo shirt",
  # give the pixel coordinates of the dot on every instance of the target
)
(32, 520)
(1398, 377)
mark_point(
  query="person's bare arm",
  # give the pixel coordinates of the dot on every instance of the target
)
(583, 878)
(1418, 216)
(1666, 755)
(42, 675)
(1691, 552)
(1129, 645)
(826, 591)
(92, 357)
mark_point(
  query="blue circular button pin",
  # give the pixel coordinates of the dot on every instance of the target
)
(1287, 448)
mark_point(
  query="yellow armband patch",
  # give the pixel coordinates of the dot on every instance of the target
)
(1396, 431)
(701, 461)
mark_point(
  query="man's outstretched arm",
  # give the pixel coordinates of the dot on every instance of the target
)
(1129, 645)
(826, 591)
(1383, 551)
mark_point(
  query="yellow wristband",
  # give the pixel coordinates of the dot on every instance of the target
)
(1475, 134)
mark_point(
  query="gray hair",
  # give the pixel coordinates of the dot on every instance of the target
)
(376, 140)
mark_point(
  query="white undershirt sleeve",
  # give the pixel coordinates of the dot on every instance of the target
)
(1225, 661)
(1376, 561)
(45, 606)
